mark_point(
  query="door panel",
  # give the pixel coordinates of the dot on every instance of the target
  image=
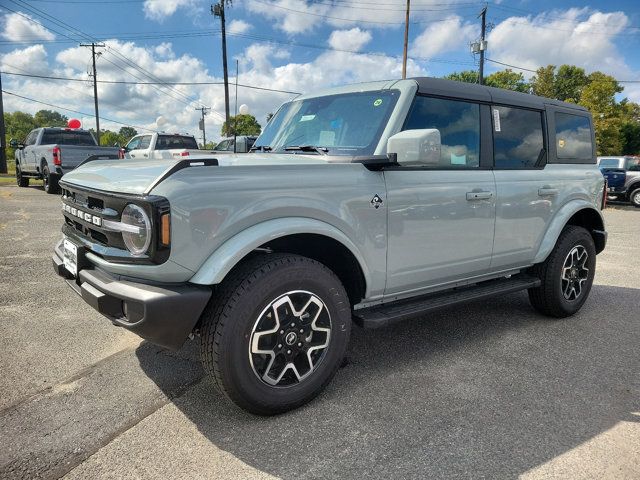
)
(441, 226)
(526, 202)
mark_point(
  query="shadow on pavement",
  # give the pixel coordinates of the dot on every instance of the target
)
(488, 389)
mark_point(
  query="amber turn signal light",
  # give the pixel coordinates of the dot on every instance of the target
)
(165, 229)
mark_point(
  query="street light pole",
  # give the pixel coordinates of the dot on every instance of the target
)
(93, 46)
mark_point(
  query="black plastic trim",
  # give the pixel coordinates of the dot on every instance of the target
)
(163, 314)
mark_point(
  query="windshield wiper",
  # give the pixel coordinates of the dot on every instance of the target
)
(307, 148)
(261, 148)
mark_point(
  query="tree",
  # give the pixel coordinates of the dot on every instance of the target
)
(109, 138)
(509, 80)
(241, 124)
(467, 76)
(543, 82)
(630, 129)
(126, 134)
(598, 96)
(569, 83)
(49, 118)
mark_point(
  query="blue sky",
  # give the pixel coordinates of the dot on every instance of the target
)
(291, 45)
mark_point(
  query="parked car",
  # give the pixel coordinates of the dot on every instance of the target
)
(369, 203)
(48, 153)
(238, 144)
(623, 178)
(162, 146)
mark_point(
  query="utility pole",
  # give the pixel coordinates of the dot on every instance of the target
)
(3, 146)
(93, 46)
(235, 118)
(483, 44)
(406, 41)
(218, 11)
(204, 111)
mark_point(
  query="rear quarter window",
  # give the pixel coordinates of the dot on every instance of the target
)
(573, 137)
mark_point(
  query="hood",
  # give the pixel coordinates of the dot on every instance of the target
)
(136, 176)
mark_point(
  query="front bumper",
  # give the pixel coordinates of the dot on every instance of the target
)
(164, 314)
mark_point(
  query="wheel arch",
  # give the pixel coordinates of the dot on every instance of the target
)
(303, 236)
(579, 213)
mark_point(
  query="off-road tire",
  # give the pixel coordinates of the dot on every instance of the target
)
(548, 298)
(50, 182)
(634, 198)
(230, 318)
(20, 180)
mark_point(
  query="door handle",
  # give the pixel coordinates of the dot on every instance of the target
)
(547, 192)
(145, 155)
(480, 195)
(132, 155)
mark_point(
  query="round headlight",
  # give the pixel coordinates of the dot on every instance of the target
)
(138, 239)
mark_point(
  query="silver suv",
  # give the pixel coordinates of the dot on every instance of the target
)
(364, 204)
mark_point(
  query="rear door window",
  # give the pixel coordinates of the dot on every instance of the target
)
(518, 140)
(573, 137)
(145, 141)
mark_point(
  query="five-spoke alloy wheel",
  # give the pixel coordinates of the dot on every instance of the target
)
(566, 274)
(275, 332)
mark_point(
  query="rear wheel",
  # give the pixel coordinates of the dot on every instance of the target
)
(20, 180)
(566, 275)
(634, 198)
(276, 332)
(50, 181)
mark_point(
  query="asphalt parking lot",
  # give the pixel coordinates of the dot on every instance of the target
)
(488, 390)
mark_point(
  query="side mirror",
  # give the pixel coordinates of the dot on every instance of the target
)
(13, 143)
(116, 144)
(416, 147)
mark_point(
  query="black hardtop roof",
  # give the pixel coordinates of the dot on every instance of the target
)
(482, 93)
(65, 129)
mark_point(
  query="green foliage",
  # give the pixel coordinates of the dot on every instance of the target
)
(467, 76)
(509, 80)
(569, 83)
(241, 125)
(126, 134)
(208, 146)
(49, 118)
(543, 82)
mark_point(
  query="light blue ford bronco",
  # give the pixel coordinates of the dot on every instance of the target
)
(366, 204)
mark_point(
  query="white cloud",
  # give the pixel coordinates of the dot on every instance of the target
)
(576, 36)
(238, 26)
(448, 35)
(32, 59)
(353, 39)
(159, 10)
(18, 28)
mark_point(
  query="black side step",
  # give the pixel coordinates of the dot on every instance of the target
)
(383, 315)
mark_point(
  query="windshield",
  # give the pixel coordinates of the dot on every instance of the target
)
(64, 137)
(344, 124)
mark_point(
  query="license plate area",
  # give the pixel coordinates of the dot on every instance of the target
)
(70, 256)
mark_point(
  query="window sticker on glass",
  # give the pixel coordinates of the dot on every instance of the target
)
(496, 119)
(561, 143)
(327, 138)
(306, 118)
(378, 102)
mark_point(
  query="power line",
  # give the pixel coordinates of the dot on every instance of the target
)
(127, 82)
(76, 111)
(113, 52)
(536, 71)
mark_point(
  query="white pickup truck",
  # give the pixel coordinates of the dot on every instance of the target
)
(162, 145)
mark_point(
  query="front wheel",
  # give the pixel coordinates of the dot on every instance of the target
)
(566, 275)
(20, 180)
(275, 332)
(634, 198)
